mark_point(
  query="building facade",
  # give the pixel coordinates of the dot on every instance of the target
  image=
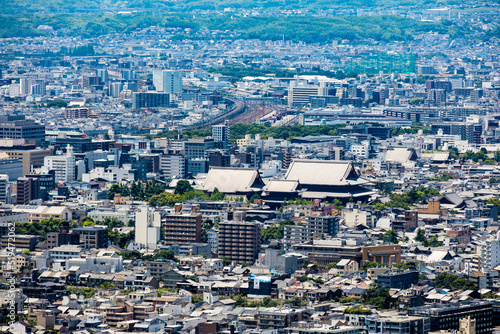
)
(239, 241)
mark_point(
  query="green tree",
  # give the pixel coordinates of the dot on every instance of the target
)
(420, 237)
(368, 265)
(297, 302)
(391, 237)
(434, 242)
(378, 297)
(240, 301)
(254, 197)
(331, 265)
(167, 255)
(41, 227)
(57, 103)
(357, 310)
(130, 255)
(412, 265)
(415, 102)
(453, 282)
(217, 195)
(454, 154)
(183, 187)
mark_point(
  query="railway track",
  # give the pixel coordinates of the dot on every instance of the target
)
(238, 109)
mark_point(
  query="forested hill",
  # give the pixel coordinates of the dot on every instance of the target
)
(298, 20)
(184, 6)
(306, 29)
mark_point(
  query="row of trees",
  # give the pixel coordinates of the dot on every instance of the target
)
(432, 242)
(392, 237)
(481, 155)
(137, 190)
(453, 282)
(275, 231)
(169, 199)
(242, 71)
(407, 199)
(238, 131)
(42, 227)
(136, 255)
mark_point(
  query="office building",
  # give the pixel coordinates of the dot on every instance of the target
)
(397, 279)
(218, 158)
(197, 166)
(407, 222)
(5, 194)
(103, 75)
(322, 225)
(167, 81)
(196, 148)
(30, 158)
(398, 325)
(436, 97)
(47, 183)
(213, 241)
(23, 86)
(239, 241)
(56, 239)
(89, 81)
(21, 241)
(92, 237)
(324, 252)
(221, 133)
(471, 132)
(27, 189)
(129, 75)
(18, 127)
(115, 88)
(298, 94)
(447, 316)
(315, 226)
(11, 167)
(158, 268)
(35, 87)
(62, 165)
(147, 227)
(173, 166)
(150, 100)
(183, 228)
(72, 113)
(79, 145)
(490, 254)
(122, 214)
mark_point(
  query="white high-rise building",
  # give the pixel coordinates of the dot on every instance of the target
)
(103, 74)
(213, 240)
(147, 227)
(221, 133)
(5, 194)
(490, 254)
(115, 89)
(173, 166)
(24, 86)
(299, 93)
(14, 90)
(63, 165)
(167, 81)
